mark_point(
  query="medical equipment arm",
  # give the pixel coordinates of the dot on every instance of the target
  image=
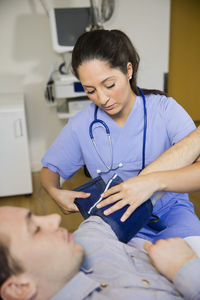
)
(64, 198)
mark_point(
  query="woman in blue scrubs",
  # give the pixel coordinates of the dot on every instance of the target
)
(106, 63)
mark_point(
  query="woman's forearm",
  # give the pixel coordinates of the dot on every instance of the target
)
(64, 198)
(180, 155)
(181, 180)
(50, 180)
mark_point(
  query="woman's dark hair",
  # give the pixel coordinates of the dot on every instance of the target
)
(8, 265)
(112, 46)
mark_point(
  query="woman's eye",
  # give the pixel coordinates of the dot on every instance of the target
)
(90, 92)
(110, 86)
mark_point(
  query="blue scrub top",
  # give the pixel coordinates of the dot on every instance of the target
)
(167, 123)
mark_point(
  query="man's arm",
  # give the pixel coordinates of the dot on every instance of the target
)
(176, 260)
(183, 180)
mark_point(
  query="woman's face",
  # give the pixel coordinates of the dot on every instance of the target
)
(107, 87)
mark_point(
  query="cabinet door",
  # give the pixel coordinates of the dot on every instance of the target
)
(15, 175)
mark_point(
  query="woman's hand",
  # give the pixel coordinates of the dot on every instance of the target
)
(65, 199)
(133, 192)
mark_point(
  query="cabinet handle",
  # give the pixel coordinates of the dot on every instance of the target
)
(18, 128)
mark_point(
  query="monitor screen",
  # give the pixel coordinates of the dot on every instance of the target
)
(67, 24)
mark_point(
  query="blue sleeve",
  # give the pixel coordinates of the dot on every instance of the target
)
(187, 280)
(64, 156)
(178, 122)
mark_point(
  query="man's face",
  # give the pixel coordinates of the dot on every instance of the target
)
(45, 250)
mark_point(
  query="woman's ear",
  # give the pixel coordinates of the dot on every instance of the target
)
(18, 287)
(129, 70)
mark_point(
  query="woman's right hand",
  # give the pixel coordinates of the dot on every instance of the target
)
(65, 199)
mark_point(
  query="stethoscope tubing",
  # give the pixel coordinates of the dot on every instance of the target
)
(144, 130)
(156, 219)
(96, 120)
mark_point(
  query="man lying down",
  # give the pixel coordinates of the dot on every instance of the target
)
(39, 260)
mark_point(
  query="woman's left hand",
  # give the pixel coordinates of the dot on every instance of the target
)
(133, 192)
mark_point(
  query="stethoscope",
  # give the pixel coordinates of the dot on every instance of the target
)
(109, 167)
(155, 221)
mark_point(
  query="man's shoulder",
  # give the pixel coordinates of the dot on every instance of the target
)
(85, 284)
(94, 224)
(92, 227)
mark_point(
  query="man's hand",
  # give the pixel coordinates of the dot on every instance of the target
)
(169, 255)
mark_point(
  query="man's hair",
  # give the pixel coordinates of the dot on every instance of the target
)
(8, 265)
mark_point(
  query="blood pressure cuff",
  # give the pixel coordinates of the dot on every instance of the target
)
(123, 230)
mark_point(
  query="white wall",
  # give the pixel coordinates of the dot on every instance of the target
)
(27, 56)
(147, 24)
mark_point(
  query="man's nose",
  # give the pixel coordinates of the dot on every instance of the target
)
(51, 221)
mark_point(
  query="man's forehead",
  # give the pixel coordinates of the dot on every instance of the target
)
(10, 218)
(11, 213)
(7, 214)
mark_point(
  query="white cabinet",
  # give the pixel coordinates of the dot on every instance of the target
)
(15, 171)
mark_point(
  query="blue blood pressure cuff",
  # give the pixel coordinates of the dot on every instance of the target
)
(123, 230)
